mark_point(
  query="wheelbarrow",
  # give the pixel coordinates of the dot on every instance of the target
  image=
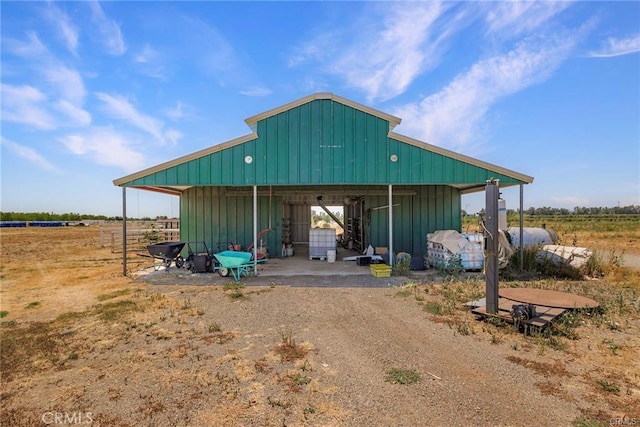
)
(167, 252)
(236, 262)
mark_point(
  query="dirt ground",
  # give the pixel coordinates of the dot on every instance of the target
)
(81, 344)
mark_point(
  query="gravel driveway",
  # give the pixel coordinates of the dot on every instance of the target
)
(358, 334)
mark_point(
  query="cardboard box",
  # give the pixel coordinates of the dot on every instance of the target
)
(379, 250)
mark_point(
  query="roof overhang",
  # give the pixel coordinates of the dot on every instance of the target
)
(470, 188)
(181, 160)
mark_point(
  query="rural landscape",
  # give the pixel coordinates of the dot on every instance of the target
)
(83, 344)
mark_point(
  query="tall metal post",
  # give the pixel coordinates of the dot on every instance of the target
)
(124, 231)
(521, 237)
(492, 194)
(391, 257)
(255, 229)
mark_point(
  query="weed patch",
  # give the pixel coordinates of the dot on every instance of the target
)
(71, 316)
(402, 376)
(289, 350)
(609, 387)
(234, 291)
(114, 294)
(541, 368)
(433, 307)
(587, 421)
(115, 311)
(35, 346)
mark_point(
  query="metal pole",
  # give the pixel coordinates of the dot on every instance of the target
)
(521, 249)
(391, 225)
(492, 194)
(255, 229)
(124, 231)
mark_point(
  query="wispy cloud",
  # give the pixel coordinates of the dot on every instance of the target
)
(383, 56)
(618, 47)
(173, 136)
(385, 67)
(109, 30)
(177, 113)
(452, 117)
(105, 146)
(77, 116)
(67, 82)
(65, 27)
(30, 154)
(515, 18)
(146, 55)
(150, 63)
(120, 108)
(26, 105)
(29, 48)
(256, 91)
(61, 89)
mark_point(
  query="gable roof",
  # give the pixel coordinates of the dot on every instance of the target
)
(321, 139)
(393, 121)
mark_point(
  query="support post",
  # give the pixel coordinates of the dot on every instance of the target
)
(255, 229)
(521, 237)
(391, 257)
(124, 231)
(492, 194)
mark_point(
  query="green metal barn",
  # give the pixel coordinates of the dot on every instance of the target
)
(324, 146)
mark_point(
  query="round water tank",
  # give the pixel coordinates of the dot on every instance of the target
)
(532, 236)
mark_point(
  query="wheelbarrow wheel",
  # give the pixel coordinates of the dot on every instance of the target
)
(223, 271)
(179, 261)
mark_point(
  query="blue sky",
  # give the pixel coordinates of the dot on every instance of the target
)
(93, 91)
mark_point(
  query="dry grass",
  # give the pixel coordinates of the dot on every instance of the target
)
(603, 344)
(96, 340)
(289, 350)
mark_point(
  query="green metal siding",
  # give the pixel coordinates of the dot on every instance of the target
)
(208, 214)
(212, 215)
(431, 208)
(322, 142)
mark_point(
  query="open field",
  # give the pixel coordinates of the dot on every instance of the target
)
(82, 342)
(596, 232)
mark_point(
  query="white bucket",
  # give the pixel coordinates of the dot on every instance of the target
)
(289, 251)
(331, 255)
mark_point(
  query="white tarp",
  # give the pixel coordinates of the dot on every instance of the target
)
(569, 255)
(444, 245)
(450, 239)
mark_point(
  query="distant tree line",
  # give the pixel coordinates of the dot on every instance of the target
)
(578, 210)
(65, 217)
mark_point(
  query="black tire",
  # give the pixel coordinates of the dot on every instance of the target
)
(223, 272)
(179, 262)
(189, 264)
